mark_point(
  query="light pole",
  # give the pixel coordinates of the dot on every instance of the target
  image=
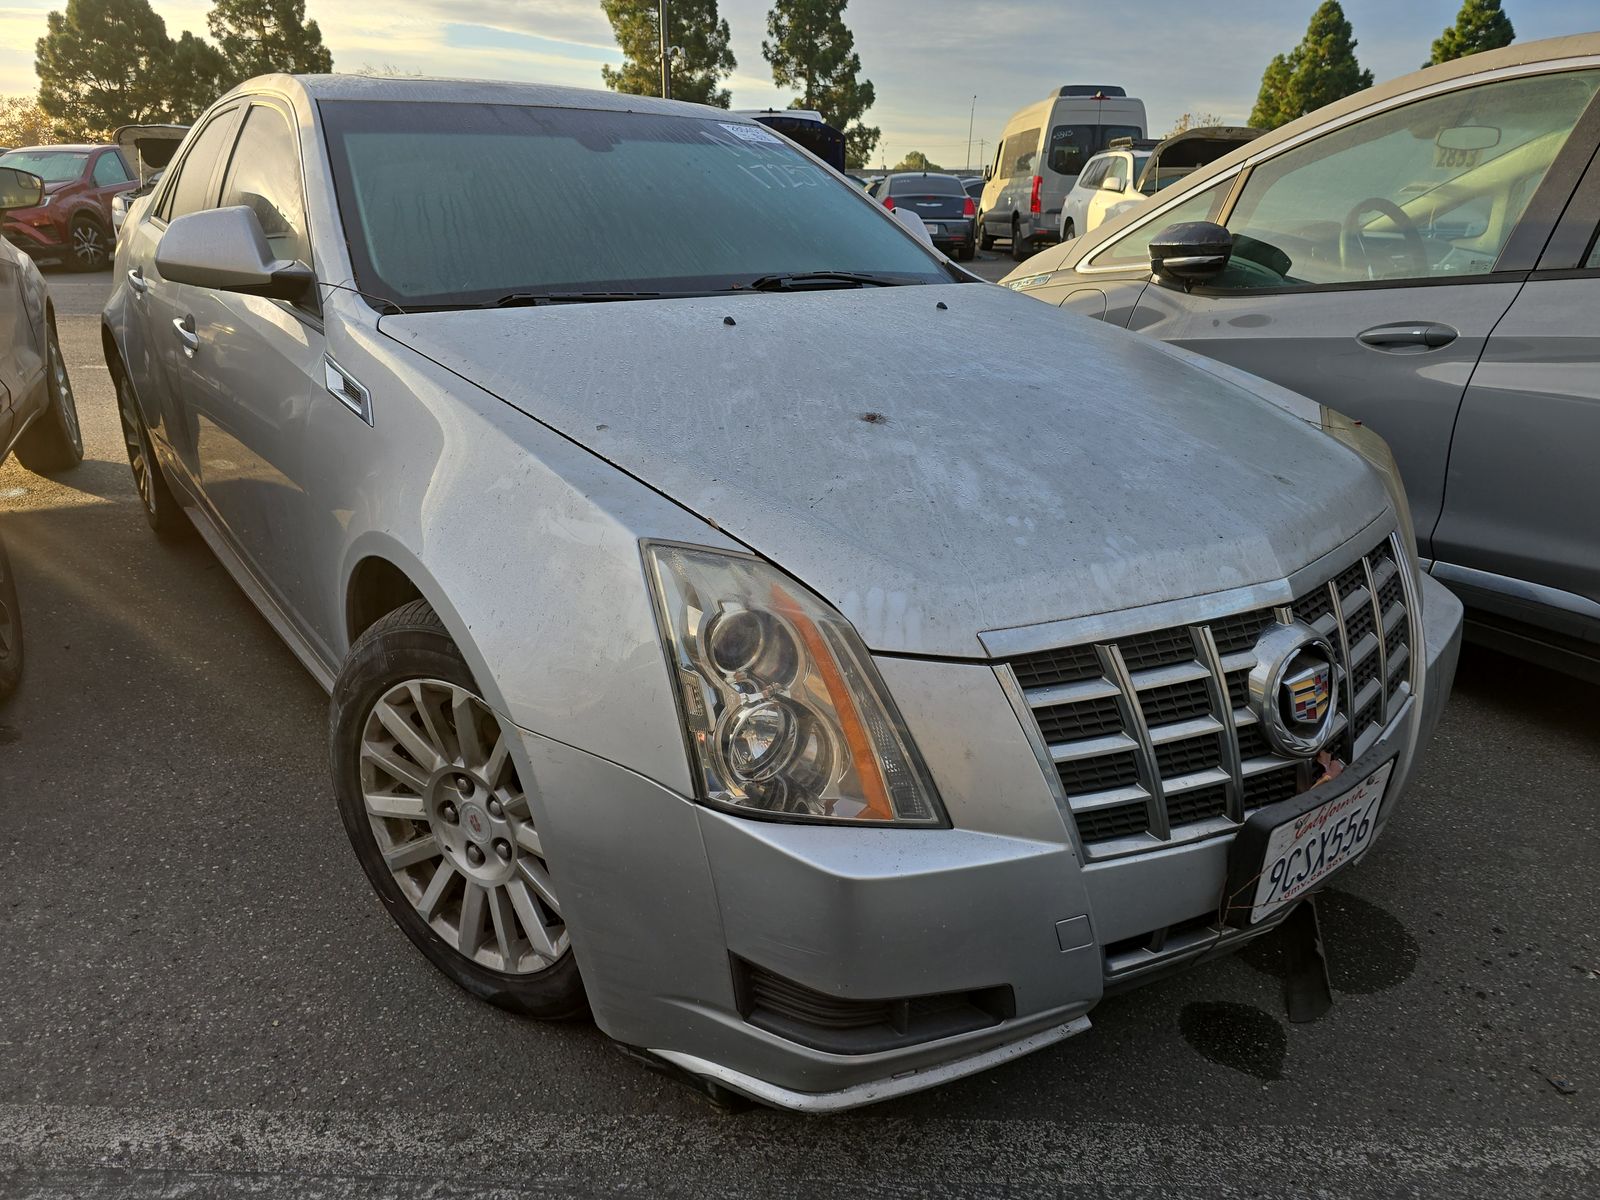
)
(666, 59)
(970, 114)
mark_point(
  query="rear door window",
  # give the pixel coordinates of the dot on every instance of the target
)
(1070, 145)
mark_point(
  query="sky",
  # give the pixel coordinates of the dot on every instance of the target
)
(927, 59)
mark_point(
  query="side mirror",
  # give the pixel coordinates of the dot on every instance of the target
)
(19, 189)
(226, 249)
(988, 172)
(1112, 184)
(1190, 252)
(914, 223)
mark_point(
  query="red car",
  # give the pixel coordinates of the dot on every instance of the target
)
(73, 225)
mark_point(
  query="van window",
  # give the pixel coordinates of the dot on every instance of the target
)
(1021, 153)
(1069, 146)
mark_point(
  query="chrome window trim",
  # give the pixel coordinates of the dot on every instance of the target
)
(1545, 67)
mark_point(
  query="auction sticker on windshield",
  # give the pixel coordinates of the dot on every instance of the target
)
(1303, 852)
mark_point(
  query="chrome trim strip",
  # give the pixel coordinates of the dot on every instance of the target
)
(1111, 743)
(1133, 721)
(1205, 649)
(1069, 693)
(1517, 589)
(1092, 802)
(1383, 649)
(1177, 731)
(1348, 667)
(346, 389)
(1012, 690)
(1153, 677)
(900, 1084)
(1202, 609)
(1177, 785)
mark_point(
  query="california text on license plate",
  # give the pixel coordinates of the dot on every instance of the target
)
(1303, 852)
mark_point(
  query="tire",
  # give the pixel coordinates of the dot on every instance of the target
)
(1019, 247)
(985, 238)
(10, 630)
(54, 441)
(91, 244)
(450, 814)
(161, 508)
(967, 253)
(1068, 231)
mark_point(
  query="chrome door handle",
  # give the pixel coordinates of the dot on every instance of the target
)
(136, 281)
(184, 327)
(1415, 335)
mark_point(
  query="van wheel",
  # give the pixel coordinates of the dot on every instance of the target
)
(985, 238)
(1019, 247)
(438, 818)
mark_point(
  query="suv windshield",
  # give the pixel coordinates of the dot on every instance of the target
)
(523, 200)
(52, 166)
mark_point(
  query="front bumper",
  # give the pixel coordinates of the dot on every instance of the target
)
(666, 899)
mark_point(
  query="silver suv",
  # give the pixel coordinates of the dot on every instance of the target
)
(733, 625)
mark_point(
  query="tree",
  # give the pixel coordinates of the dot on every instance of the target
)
(1320, 70)
(1480, 25)
(916, 160)
(258, 37)
(23, 122)
(811, 48)
(1194, 120)
(698, 39)
(197, 74)
(101, 64)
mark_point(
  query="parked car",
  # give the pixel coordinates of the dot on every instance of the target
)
(974, 187)
(1044, 147)
(1420, 256)
(1106, 182)
(941, 202)
(72, 224)
(38, 417)
(806, 129)
(734, 624)
(149, 148)
(1181, 154)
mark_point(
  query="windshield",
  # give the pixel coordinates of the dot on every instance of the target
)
(926, 185)
(52, 166)
(521, 199)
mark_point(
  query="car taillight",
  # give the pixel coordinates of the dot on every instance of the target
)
(1033, 204)
(888, 202)
(969, 209)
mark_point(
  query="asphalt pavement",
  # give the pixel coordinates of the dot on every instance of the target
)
(199, 995)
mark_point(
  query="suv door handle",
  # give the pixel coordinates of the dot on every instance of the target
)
(1415, 336)
(136, 281)
(184, 327)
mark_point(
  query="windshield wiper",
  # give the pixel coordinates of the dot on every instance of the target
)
(784, 283)
(533, 299)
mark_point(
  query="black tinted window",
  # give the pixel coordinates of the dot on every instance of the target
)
(265, 177)
(1105, 134)
(926, 185)
(191, 190)
(1070, 145)
(519, 198)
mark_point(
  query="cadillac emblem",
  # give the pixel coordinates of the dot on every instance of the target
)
(1293, 689)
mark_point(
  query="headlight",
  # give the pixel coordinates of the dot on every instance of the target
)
(784, 711)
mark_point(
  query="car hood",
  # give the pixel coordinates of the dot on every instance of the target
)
(935, 461)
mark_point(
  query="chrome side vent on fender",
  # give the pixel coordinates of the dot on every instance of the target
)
(345, 388)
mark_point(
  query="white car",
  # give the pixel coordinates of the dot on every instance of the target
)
(1106, 184)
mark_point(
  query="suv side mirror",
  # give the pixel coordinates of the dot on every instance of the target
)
(19, 189)
(988, 172)
(1112, 184)
(1190, 252)
(226, 249)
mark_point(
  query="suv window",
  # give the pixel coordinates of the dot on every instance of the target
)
(1431, 189)
(1132, 249)
(1093, 173)
(1021, 153)
(109, 170)
(265, 177)
(191, 190)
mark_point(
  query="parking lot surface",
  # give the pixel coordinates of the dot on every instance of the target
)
(200, 995)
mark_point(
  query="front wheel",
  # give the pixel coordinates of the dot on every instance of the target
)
(54, 442)
(1068, 230)
(439, 820)
(91, 244)
(10, 629)
(155, 497)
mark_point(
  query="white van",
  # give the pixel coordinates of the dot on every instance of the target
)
(1044, 147)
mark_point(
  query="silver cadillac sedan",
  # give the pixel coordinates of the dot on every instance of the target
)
(736, 627)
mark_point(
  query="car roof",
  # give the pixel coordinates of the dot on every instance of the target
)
(74, 148)
(475, 91)
(1519, 54)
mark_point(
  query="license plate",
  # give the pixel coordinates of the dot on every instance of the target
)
(1301, 853)
(934, 226)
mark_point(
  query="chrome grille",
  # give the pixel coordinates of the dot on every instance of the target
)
(1152, 737)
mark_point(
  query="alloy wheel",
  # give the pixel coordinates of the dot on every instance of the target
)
(138, 448)
(65, 400)
(88, 245)
(451, 820)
